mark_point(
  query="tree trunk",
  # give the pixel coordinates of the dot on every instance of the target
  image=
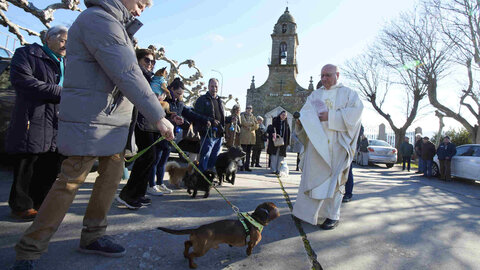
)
(399, 138)
(476, 135)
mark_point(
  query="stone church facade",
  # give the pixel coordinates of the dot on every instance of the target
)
(281, 90)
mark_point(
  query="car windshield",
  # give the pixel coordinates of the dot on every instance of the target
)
(378, 143)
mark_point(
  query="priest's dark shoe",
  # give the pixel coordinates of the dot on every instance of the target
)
(346, 199)
(329, 224)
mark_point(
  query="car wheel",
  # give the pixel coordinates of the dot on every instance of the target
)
(435, 170)
(389, 165)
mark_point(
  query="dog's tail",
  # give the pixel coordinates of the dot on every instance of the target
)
(177, 232)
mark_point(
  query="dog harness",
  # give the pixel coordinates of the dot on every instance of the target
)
(245, 216)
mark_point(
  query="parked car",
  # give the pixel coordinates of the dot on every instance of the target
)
(465, 163)
(380, 151)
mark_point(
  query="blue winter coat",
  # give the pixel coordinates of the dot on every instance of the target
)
(448, 150)
(34, 122)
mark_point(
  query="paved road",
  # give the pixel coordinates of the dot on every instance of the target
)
(396, 221)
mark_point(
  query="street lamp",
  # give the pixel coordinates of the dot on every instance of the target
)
(221, 87)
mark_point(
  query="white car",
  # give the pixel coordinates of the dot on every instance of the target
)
(465, 163)
(380, 151)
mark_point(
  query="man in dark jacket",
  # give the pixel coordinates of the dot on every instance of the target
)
(406, 150)
(428, 152)
(445, 152)
(211, 106)
(102, 81)
(36, 74)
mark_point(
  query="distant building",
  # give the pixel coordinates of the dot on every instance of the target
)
(281, 90)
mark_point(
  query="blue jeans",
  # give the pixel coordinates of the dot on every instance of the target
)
(210, 147)
(427, 168)
(162, 152)
(421, 164)
(349, 184)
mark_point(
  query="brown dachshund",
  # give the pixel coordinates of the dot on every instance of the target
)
(230, 232)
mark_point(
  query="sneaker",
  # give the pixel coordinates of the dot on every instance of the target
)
(23, 265)
(155, 191)
(164, 189)
(130, 204)
(27, 215)
(104, 246)
(144, 200)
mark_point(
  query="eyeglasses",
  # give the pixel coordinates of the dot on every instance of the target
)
(249, 108)
(149, 61)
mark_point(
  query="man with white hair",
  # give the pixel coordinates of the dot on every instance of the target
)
(37, 74)
(102, 81)
(328, 127)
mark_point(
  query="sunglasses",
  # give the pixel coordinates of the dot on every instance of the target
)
(149, 61)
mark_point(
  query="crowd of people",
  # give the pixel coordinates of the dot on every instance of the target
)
(109, 101)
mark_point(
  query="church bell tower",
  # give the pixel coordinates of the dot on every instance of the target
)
(281, 90)
(285, 43)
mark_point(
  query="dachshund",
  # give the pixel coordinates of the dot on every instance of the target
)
(230, 232)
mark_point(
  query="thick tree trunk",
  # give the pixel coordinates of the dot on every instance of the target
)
(399, 139)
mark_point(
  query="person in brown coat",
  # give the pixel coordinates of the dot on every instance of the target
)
(428, 152)
(248, 124)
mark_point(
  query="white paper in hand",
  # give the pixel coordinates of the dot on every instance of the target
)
(320, 106)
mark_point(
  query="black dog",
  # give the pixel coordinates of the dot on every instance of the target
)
(227, 164)
(193, 180)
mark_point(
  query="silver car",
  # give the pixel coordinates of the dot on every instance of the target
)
(380, 151)
(465, 163)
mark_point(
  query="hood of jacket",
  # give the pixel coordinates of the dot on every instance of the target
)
(114, 8)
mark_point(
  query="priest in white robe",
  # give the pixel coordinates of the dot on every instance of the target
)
(328, 127)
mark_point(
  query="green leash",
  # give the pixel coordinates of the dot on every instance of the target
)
(234, 208)
(241, 216)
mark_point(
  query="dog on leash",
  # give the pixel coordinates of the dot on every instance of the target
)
(194, 181)
(229, 232)
(176, 171)
(283, 171)
(227, 164)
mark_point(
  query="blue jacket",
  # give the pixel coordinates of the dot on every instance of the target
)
(189, 116)
(448, 150)
(34, 122)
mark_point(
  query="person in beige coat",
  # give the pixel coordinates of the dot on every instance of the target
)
(247, 135)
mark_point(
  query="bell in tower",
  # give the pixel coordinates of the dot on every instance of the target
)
(283, 53)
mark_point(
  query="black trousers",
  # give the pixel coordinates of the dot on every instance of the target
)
(247, 148)
(406, 160)
(256, 151)
(33, 176)
(142, 168)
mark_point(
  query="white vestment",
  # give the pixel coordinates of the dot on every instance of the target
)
(329, 151)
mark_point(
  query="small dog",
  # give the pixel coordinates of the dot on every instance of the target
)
(230, 232)
(193, 180)
(176, 171)
(227, 164)
(283, 171)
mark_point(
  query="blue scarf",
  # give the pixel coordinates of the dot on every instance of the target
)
(58, 59)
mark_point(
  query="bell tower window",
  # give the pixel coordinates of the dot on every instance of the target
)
(283, 53)
(284, 28)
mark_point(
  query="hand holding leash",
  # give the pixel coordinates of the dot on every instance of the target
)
(166, 129)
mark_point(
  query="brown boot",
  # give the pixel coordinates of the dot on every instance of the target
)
(27, 215)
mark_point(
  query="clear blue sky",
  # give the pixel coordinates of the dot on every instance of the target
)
(233, 37)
